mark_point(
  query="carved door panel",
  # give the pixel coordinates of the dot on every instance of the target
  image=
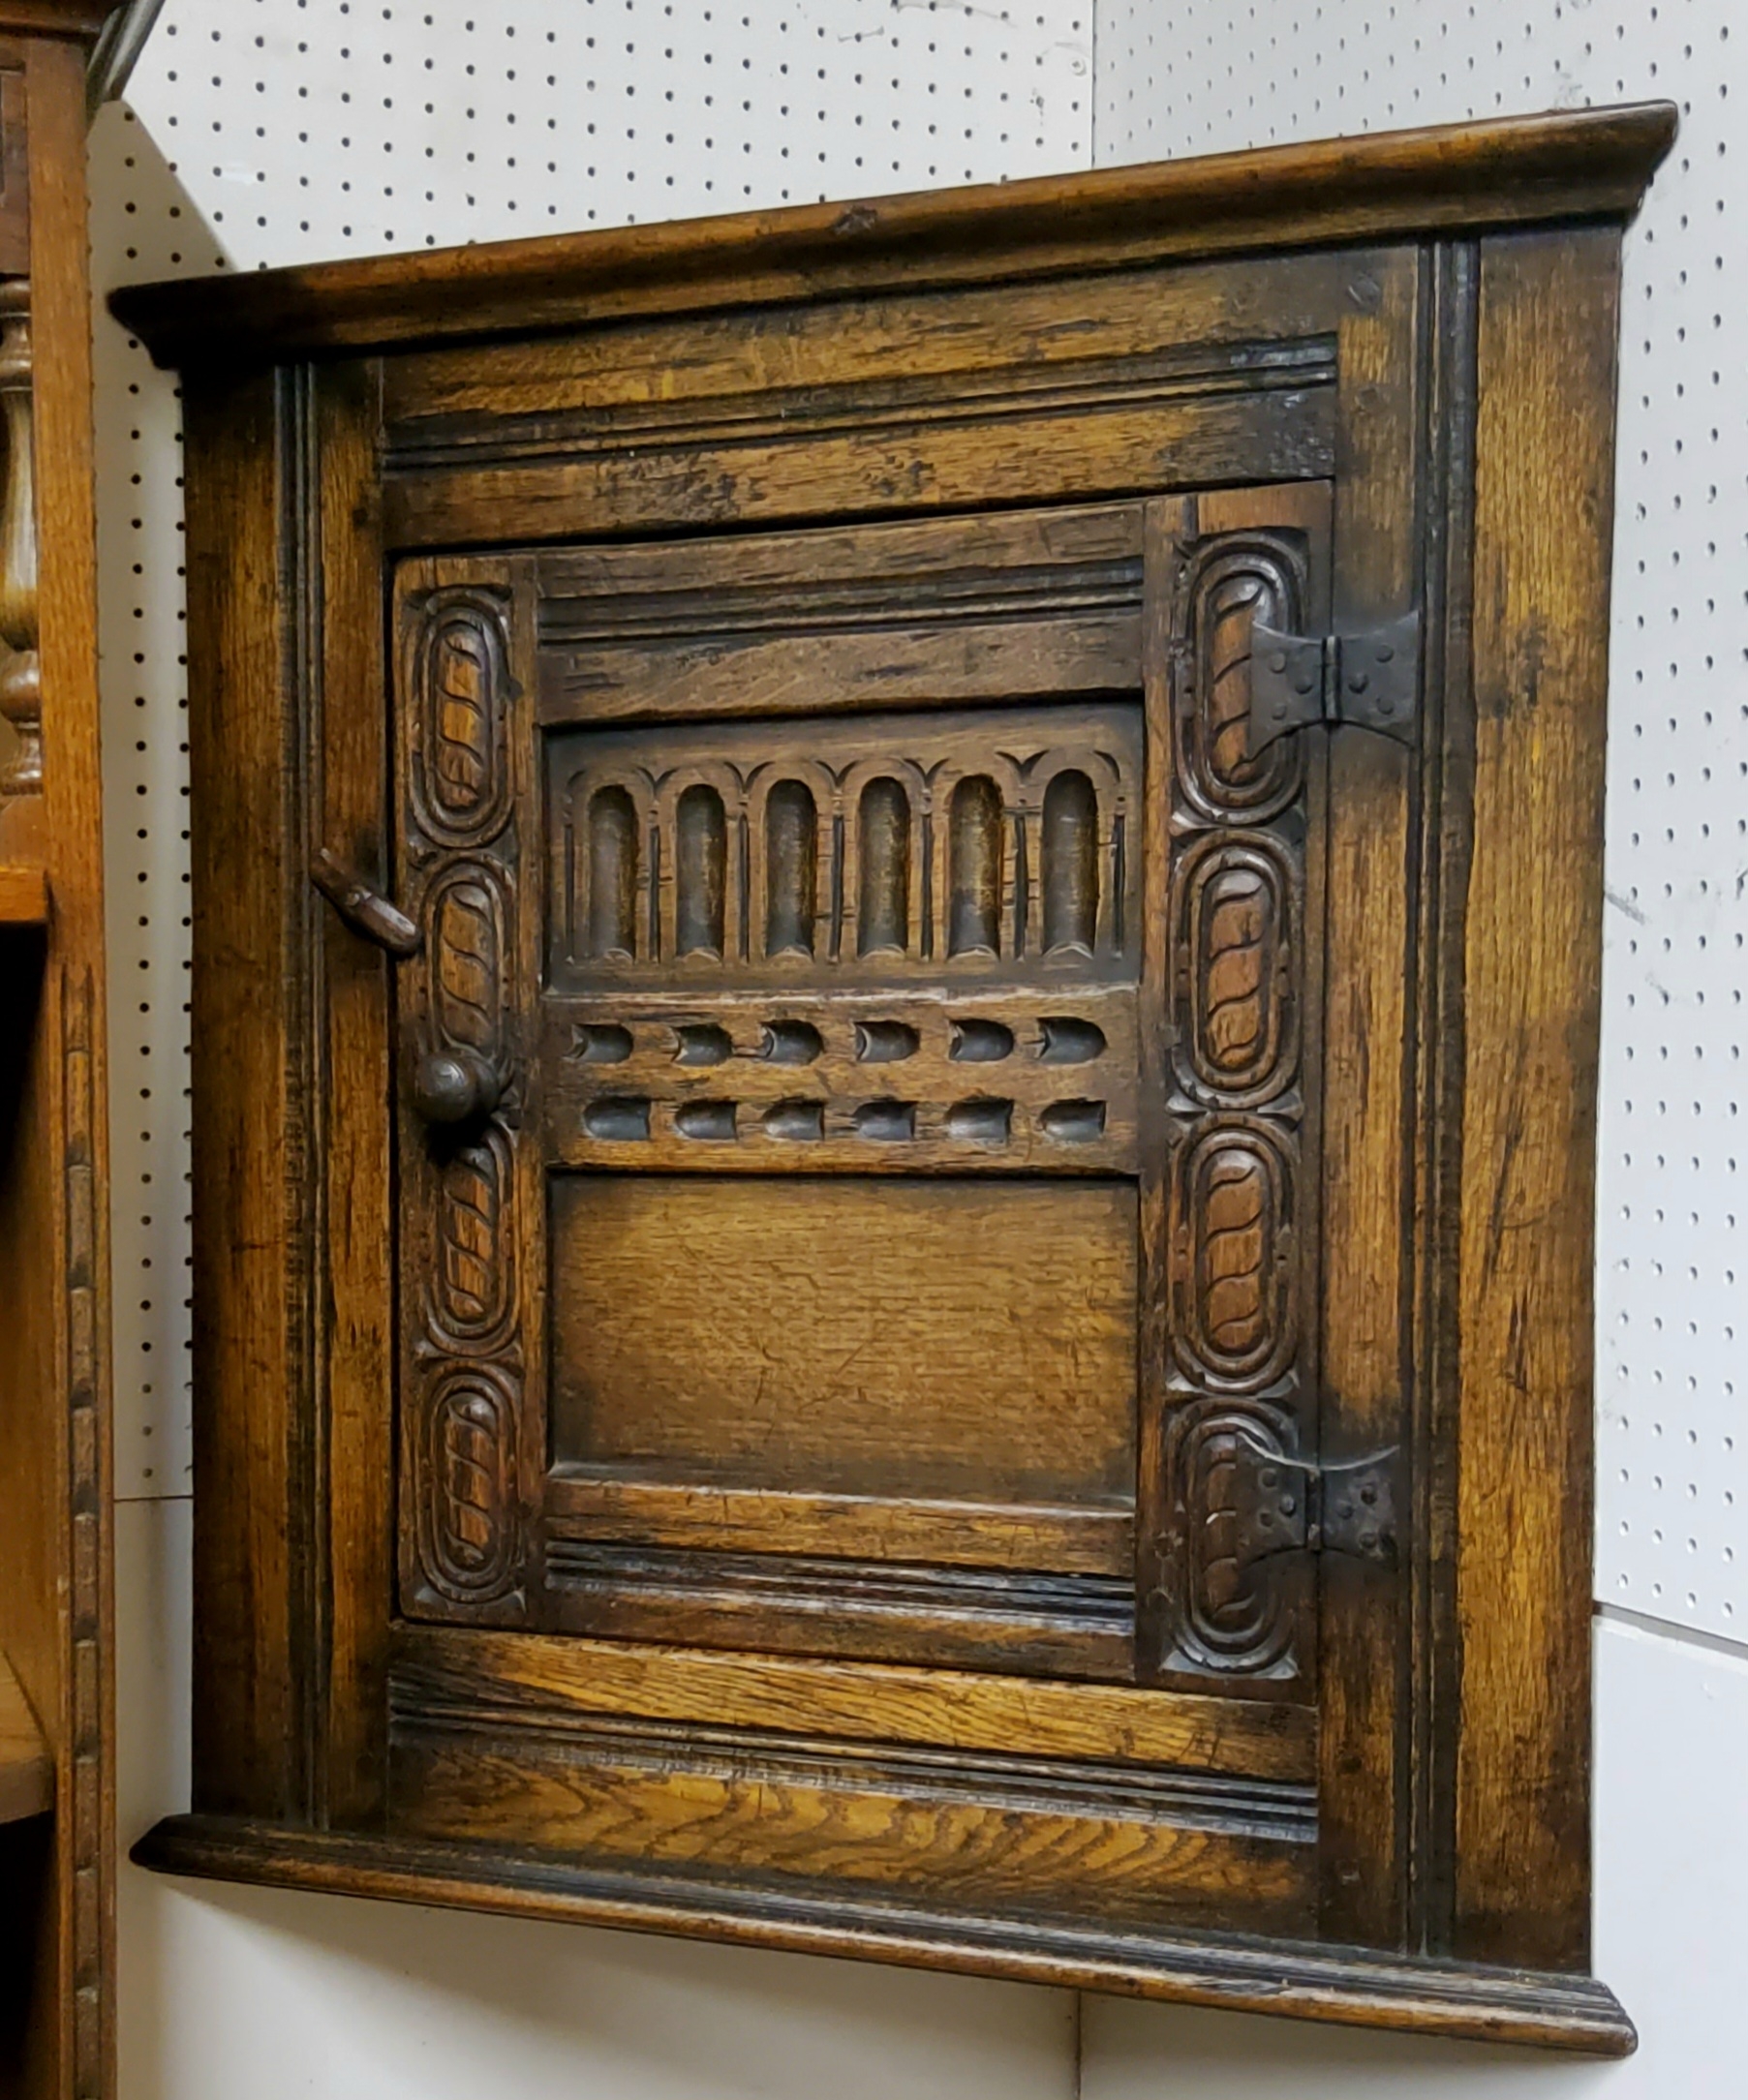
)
(861, 1113)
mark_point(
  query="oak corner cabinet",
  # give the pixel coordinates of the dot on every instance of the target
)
(897, 949)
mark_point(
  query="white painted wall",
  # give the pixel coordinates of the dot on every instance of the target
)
(269, 131)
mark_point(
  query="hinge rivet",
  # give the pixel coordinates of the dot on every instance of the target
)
(1357, 683)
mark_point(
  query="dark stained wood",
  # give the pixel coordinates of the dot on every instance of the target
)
(855, 1282)
(1349, 1986)
(1097, 1538)
(352, 1435)
(1532, 974)
(80, 18)
(949, 1710)
(987, 608)
(249, 1160)
(948, 1302)
(1013, 1838)
(1384, 185)
(1380, 515)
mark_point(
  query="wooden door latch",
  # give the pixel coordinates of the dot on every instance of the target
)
(1365, 681)
(365, 910)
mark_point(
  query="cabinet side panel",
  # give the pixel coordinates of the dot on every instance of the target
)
(245, 1142)
(1532, 968)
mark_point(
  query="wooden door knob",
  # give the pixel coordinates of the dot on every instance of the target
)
(454, 1086)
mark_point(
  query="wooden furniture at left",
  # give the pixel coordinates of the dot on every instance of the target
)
(56, 1704)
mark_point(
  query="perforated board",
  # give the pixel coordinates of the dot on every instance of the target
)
(262, 131)
(1202, 75)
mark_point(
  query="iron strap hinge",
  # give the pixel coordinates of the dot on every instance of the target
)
(1367, 681)
(1295, 1506)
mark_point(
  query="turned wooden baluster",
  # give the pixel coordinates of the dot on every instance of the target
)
(20, 675)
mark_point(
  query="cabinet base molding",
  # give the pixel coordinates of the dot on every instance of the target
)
(1347, 1985)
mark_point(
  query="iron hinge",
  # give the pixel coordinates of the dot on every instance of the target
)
(1294, 1506)
(1365, 681)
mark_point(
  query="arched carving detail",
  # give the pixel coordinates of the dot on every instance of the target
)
(468, 1503)
(459, 680)
(1236, 967)
(1234, 1325)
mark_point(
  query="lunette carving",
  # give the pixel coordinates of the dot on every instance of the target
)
(901, 846)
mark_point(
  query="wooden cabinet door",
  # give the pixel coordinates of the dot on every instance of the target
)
(862, 1158)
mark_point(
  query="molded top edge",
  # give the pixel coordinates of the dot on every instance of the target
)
(1461, 178)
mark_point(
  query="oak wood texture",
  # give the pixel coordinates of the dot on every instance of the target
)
(877, 1703)
(1348, 1986)
(1384, 186)
(1532, 977)
(938, 1297)
(893, 1325)
(26, 1767)
(24, 896)
(56, 2034)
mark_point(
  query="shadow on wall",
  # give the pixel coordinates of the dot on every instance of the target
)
(278, 1993)
(357, 2000)
(1174, 2053)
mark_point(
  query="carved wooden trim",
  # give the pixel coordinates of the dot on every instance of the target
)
(1521, 170)
(1239, 1390)
(466, 1365)
(1346, 1985)
(890, 846)
(84, 1805)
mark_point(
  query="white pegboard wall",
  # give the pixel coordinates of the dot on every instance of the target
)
(142, 225)
(1178, 77)
(262, 131)
(334, 127)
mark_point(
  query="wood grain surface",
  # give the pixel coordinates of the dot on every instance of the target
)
(1384, 185)
(955, 1338)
